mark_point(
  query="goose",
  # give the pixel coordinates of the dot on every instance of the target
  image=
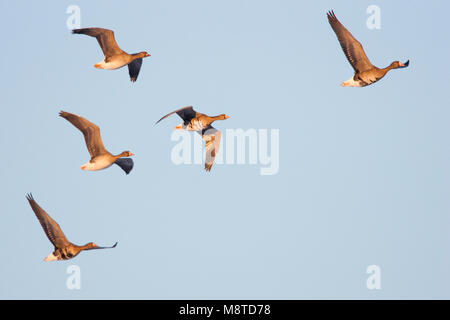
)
(100, 157)
(64, 249)
(365, 72)
(201, 123)
(115, 57)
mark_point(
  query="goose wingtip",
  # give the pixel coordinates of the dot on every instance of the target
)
(404, 65)
(330, 14)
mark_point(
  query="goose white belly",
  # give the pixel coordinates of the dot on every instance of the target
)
(110, 65)
(351, 83)
(100, 162)
(51, 257)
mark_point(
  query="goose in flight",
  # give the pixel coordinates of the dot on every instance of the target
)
(64, 249)
(100, 157)
(115, 57)
(365, 72)
(201, 123)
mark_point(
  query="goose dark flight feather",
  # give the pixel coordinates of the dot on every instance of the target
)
(115, 57)
(100, 157)
(365, 72)
(186, 113)
(201, 123)
(63, 248)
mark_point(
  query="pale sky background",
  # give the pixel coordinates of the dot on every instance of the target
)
(364, 172)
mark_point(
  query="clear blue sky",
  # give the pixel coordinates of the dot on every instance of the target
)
(364, 172)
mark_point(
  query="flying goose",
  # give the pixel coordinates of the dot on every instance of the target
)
(100, 157)
(201, 123)
(64, 249)
(115, 57)
(365, 72)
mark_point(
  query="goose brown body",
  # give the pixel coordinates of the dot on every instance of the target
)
(114, 56)
(365, 72)
(201, 123)
(100, 157)
(63, 248)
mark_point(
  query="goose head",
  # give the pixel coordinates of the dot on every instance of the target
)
(90, 245)
(87, 246)
(398, 64)
(125, 154)
(222, 116)
(143, 54)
